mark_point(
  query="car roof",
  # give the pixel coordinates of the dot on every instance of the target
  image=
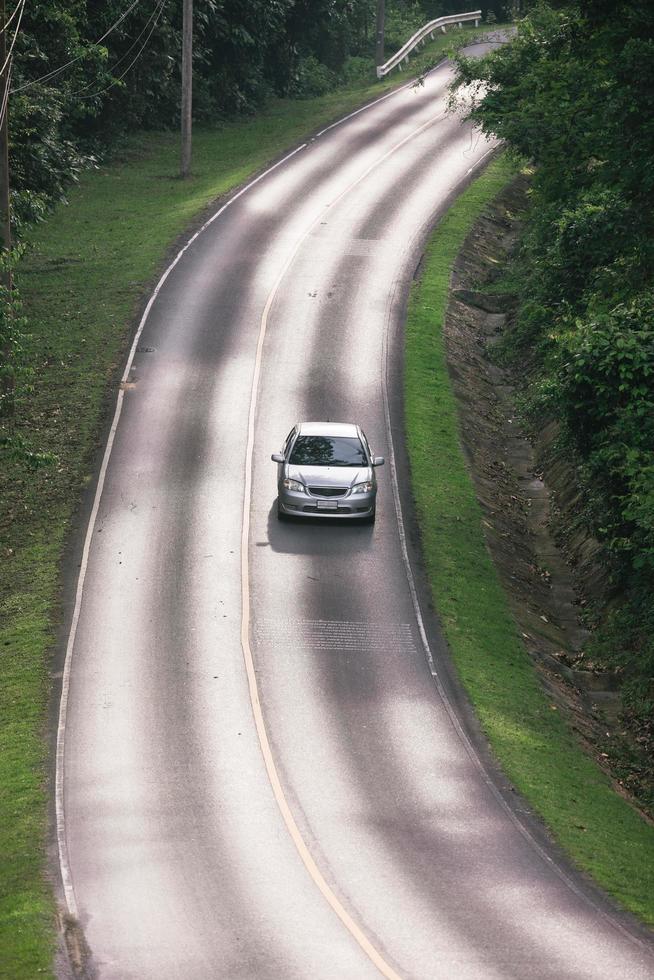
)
(328, 429)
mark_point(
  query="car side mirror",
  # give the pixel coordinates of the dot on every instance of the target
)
(277, 458)
(378, 460)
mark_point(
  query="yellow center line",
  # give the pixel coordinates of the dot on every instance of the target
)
(271, 768)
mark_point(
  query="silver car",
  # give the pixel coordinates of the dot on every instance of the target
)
(326, 469)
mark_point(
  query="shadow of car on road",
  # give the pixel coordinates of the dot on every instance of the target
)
(317, 535)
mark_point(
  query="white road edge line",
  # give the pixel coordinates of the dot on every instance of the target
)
(65, 870)
(397, 503)
(456, 724)
(62, 845)
(382, 98)
(479, 162)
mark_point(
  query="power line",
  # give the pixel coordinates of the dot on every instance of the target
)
(137, 38)
(21, 5)
(5, 98)
(57, 71)
(157, 11)
(9, 20)
(5, 71)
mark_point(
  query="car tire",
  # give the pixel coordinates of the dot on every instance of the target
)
(370, 519)
(281, 516)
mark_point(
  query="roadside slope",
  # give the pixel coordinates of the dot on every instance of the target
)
(599, 830)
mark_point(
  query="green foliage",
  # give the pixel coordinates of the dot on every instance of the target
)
(311, 79)
(596, 826)
(626, 644)
(492, 11)
(356, 69)
(320, 28)
(606, 387)
(74, 98)
(12, 336)
(597, 229)
(574, 93)
(402, 20)
(85, 74)
(608, 373)
(15, 373)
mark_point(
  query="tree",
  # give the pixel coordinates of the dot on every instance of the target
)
(574, 94)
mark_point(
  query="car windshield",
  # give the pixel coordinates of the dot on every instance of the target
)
(328, 451)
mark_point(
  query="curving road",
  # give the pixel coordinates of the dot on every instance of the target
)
(260, 774)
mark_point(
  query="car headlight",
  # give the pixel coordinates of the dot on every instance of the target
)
(362, 487)
(293, 485)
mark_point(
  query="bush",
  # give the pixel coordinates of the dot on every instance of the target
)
(357, 68)
(311, 79)
(607, 380)
(574, 95)
(583, 240)
(402, 20)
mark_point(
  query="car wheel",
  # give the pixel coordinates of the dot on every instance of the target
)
(281, 516)
(370, 519)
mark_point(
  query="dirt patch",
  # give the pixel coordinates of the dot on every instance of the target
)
(74, 961)
(548, 580)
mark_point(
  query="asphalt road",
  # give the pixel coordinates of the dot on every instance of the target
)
(259, 774)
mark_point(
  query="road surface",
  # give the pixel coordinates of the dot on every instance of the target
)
(260, 773)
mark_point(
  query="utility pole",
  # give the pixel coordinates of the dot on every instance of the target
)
(379, 47)
(7, 376)
(187, 87)
(5, 232)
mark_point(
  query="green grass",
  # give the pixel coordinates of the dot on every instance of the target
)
(82, 282)
(25, 900)
(602, 834)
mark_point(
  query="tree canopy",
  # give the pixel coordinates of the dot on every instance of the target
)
(574, 94)
(85, 72)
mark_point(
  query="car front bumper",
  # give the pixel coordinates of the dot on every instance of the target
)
(353, 507)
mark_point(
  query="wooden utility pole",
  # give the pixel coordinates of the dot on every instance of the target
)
(5, 231)
(187, 86)
(8, 379)
(379, 46)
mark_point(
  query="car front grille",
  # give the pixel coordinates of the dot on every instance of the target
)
(328, 491)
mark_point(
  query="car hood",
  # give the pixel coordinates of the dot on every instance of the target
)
(329, 476)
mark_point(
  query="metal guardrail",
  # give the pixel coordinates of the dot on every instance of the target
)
(428, 30)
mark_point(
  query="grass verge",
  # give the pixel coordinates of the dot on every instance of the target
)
(82, 280)
(602, 834)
